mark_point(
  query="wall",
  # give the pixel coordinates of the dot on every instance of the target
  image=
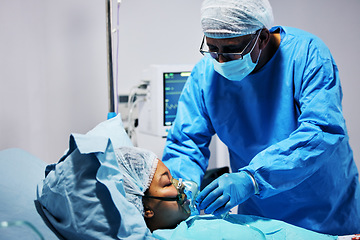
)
(52, 73)
(53, 59)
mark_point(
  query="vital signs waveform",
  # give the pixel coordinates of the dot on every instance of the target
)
(170, 106)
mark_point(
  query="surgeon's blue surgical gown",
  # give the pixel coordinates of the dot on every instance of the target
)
(284, 124)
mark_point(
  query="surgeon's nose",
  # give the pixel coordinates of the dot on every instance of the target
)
(222, 59)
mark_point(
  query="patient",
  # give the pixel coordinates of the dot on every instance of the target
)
(150, 187)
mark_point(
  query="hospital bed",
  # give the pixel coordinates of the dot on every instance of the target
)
(54, 216)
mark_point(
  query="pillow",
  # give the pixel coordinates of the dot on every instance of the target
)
(82, 196)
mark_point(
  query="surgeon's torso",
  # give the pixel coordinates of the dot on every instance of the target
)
(258, 111)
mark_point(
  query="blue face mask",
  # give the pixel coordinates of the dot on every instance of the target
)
(237, 70)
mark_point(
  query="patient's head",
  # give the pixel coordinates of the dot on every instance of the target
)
(148, 185)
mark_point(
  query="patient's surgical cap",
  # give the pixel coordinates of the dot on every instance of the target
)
(235, 18)
(138, 167)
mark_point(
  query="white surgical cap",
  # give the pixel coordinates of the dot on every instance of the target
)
(235, 18)
(138, 167)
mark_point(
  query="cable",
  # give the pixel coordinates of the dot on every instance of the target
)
(6, 224)
(137, 95)
(131, 126)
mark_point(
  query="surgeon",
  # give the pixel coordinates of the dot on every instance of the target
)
(272, 94)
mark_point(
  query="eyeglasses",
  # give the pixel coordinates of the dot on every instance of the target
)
(227, 56)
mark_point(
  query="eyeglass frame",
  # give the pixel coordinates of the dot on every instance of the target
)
(227, 55)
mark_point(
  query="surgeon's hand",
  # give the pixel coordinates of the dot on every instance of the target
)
(226, 192)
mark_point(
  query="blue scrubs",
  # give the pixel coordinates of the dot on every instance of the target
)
(284, 124)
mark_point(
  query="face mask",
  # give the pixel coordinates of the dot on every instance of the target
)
(190, 189)
(236, 70)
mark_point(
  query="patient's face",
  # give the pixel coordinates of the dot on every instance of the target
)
(166, 214)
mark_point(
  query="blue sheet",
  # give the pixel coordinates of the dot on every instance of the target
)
(235, 227)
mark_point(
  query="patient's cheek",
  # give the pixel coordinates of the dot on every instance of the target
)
(164, 191)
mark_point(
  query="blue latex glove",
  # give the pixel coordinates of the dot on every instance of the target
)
(226, 192)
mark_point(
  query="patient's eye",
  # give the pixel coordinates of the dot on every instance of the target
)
(165, 180)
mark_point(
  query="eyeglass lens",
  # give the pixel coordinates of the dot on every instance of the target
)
(228, 56)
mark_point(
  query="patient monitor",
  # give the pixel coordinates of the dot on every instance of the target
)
(159, 110)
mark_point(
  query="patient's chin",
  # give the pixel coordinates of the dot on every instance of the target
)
(186, 217)
(185, 214)
(185, 209)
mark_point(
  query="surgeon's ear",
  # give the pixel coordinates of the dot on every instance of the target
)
(264, 38)
(149, 213)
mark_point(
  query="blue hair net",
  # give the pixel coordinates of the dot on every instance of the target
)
(138, 167)
(235, 18)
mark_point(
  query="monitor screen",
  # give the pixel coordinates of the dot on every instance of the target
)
(166, 82)
(173, 83)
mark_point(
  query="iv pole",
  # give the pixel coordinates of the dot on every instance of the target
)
(112, 97)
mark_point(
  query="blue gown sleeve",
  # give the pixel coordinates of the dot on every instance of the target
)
(186, 153)
(321, 130)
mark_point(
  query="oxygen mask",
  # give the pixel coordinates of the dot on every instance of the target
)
(187, 193)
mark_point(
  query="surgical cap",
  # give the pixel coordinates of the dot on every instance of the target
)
(138, 167)
(235, 18)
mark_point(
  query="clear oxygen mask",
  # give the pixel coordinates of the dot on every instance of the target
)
(187, 193)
